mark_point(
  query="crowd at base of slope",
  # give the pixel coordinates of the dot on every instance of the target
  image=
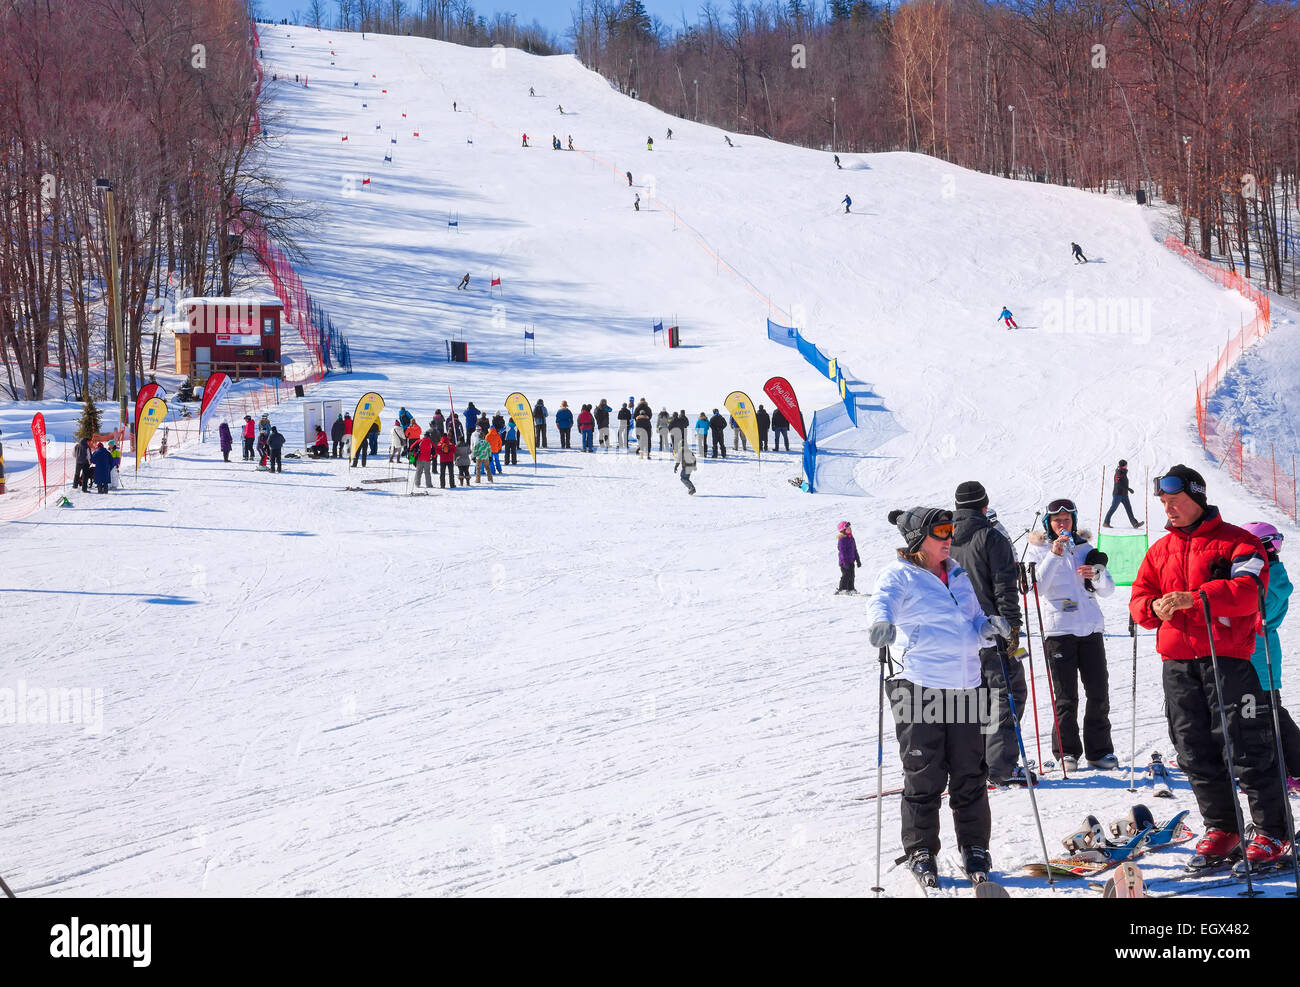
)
(952, 600)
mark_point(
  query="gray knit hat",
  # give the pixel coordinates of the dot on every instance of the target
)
(916, 523)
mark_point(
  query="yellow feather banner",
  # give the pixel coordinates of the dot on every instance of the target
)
(369, 408)
(742, 409)
(150, 416)
(521, 413)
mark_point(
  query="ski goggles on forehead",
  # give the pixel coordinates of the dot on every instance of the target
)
(1175, 484)
(1063, 504)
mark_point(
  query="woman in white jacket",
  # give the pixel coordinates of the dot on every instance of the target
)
(928, 599)
(1071, 575)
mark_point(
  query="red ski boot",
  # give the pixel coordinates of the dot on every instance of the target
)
(1215, 850)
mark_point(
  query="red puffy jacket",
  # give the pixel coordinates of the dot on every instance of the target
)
(1225, 561)
(446, 450)
(585, 421)
(424, 454)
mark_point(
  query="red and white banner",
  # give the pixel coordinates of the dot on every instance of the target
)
(782, 395)
(214, 392)
(38, 433)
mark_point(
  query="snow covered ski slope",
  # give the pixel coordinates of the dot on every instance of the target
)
(578, 680)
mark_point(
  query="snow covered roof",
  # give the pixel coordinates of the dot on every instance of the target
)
(265, 301)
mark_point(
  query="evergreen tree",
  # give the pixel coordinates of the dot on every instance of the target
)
(89, 426)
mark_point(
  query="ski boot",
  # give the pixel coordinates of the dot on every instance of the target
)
(1215, 851)
(1139, 818)
(977, 863)
(1264, 854)
(922, 865)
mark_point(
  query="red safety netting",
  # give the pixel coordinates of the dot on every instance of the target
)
(1264, 474)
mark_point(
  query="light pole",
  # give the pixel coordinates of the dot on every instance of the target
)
(1012, 110)
(1187, 145)
(833, 125)
(697, 100)
(114, 295)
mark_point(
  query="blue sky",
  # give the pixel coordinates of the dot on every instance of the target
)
(555, 15)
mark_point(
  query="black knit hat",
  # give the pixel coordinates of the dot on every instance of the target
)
(1193, 482)
(972, 494)
(916, 523)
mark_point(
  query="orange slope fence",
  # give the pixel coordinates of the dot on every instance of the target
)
(1259, 470)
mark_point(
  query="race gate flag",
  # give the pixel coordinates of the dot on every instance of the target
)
(143, 395)
(367, 413)
(742, 409)
(146, 423)
(782, 395)
(38, 434)
(521, 413)
(214, 392)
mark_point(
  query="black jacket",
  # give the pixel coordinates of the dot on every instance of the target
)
(990, 561)
(83, 452)
(602, 416)
(1121, 482)
(764, 422)
(337, 430)
(625, 414)
(275, 441)
(779, 424)
(718, 424)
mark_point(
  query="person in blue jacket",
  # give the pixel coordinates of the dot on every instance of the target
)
(1005, 316)
(847, 203)
(471, 417)
(1275, 607)
(103, 462)
(512, 443)
(564, 422)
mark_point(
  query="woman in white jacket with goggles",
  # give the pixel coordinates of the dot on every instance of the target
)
(927, 599)
(1071, 575)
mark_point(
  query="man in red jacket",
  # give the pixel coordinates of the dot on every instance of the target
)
(1203, 553)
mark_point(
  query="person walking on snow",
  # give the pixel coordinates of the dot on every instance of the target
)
(684, 460)
(1078, 254)
(990, 560)
(848, 554)
(601, 415)
(1203, 554)
(1275, 608)
(1119, 495)
(718, 426)
(1005, 316)
(848, 203)
(227, 443)
(561, 109)
(1072, 575)
(928, 597)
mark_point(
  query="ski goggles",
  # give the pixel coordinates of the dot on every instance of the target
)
(943, 530)
(1059, 505)
(1175, 484)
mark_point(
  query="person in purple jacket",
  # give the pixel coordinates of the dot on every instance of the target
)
(848, 559)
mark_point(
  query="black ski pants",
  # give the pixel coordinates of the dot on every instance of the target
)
(539, 435)
(846, 577)
(512, 452)
(248, 447)
(719, 442)
(447, 475)
(1290, 737)
(564, 438)
(276, 465)
(1192, 709)
(777, 435)
(1073, 659)
(1001, 748)
(938, 756)
(1115, 501)
(762, 439)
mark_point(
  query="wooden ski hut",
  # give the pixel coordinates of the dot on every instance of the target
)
(239, 336)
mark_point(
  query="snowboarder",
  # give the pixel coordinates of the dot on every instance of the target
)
(670, 133)
(1005, 316)
(1275, 608)
(649, 143)
(453, 106)
(848, 203)
(728, 140)
(848, 552)
(570, 142)
(1072, 575)
(561, 109)
(636, 203)
(990, 561)
(464, 282)
(530, 91)
(837, 162)
(629, 179)
(1203, 554)
(227, 443)
(1078, 254)
(929, 597)
(684, 460)
(275, 442)
(1119, 495)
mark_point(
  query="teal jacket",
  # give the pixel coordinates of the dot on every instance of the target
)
(1275, 607)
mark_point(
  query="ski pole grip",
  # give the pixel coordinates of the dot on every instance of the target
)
(1205, 605)
(1132, 627)
(884, 656)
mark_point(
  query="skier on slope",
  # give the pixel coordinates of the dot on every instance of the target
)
(649, 143)
(848, 203)
(1072, 575)
(848, 556)
(1205, 554)
(629, 179)
(1078, 254)
(837, 162)
(1119, 495)
(990, 561)
(929, 598)
(1275, 608)
(464, 282)
(636, 203)
(684, 460)
(728, 140)
(1005, 316)
(525, 140)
